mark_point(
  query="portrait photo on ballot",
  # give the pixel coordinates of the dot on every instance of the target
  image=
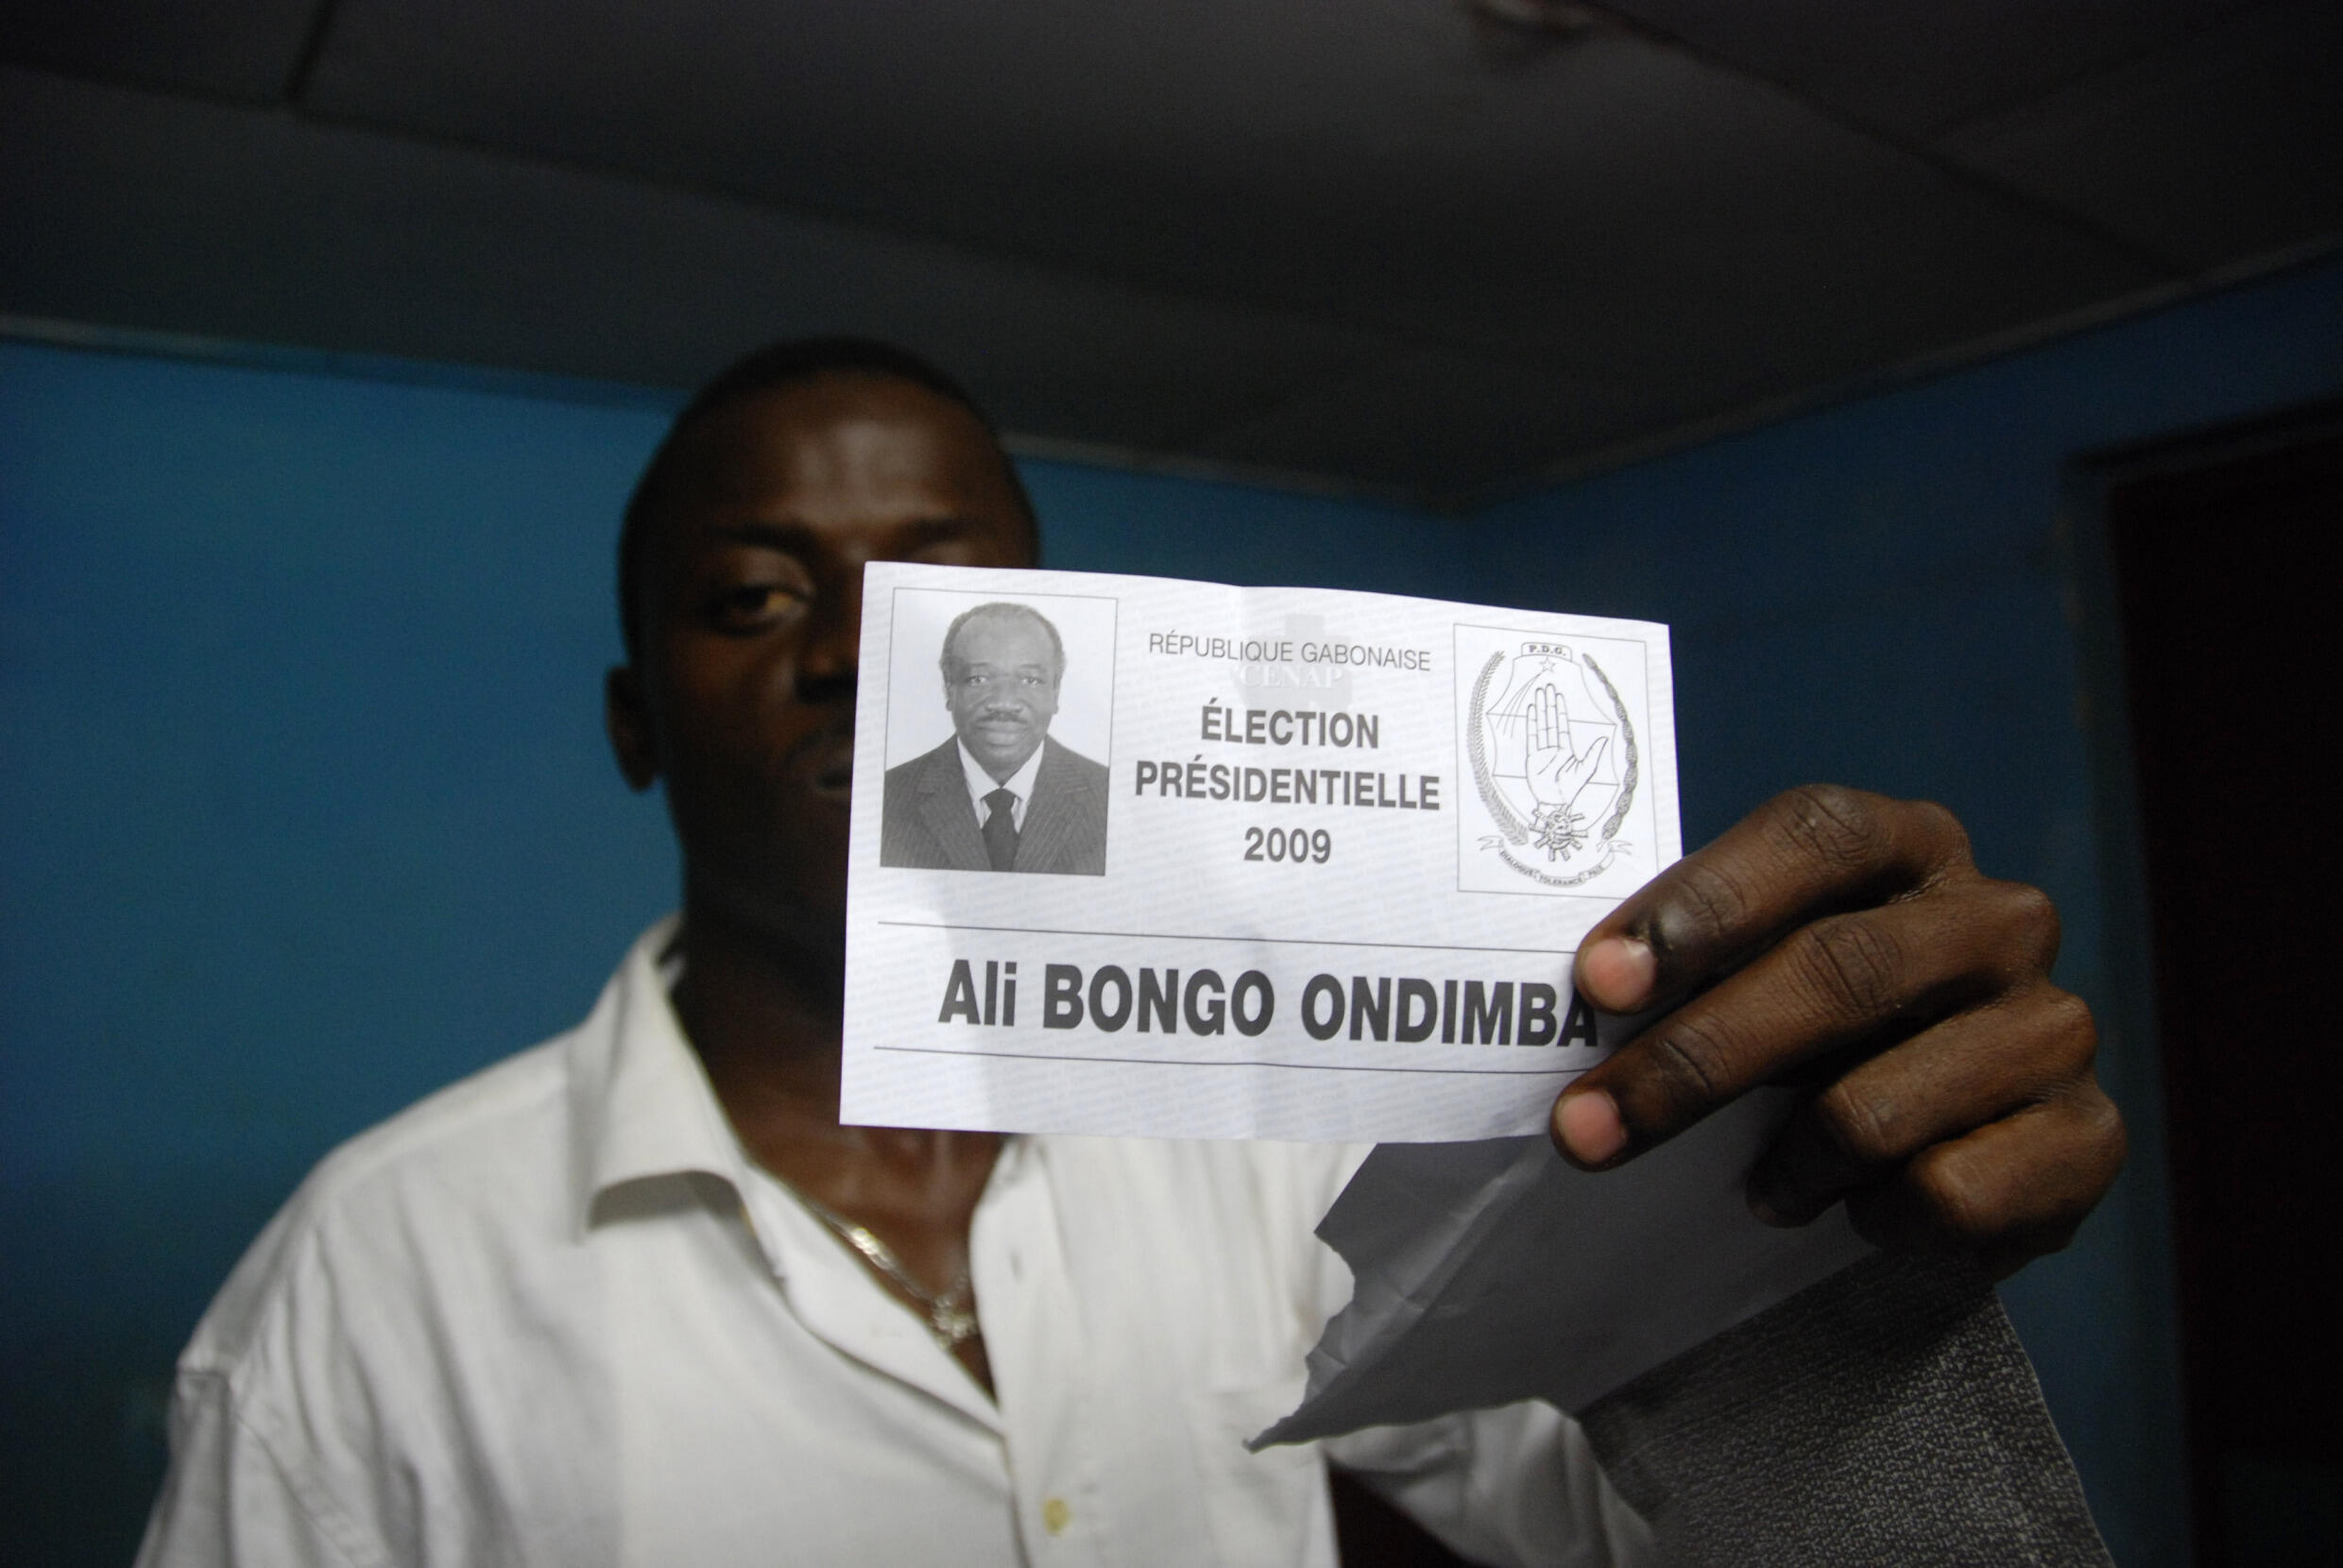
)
(1000, 721)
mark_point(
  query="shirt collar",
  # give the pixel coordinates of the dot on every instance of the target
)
(981, 783)
(641, 1102)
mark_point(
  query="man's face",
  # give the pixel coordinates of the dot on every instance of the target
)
(1000, 683)
(742, 698)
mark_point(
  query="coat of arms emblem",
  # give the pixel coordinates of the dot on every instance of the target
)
(1554, 757)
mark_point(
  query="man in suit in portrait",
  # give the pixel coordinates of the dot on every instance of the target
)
(999, 796)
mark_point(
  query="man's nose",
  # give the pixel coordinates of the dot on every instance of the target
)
(833, 644)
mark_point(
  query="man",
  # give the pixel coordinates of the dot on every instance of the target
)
(999, 796)
(637, 1296)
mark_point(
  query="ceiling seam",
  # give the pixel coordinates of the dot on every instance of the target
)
(1168, 458)
(1456, 503)
(285, 358)
(604, 392)
(1214, 471)
(1377, 334)
(1382, 335)
(1459, 504)
(1382, 332)
(1473, 500)
(213, 97)
(313, 48)
(2187, 31)
(319, 29)
(1952, 171)
(1424, 497)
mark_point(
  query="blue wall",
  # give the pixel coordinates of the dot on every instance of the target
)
(1875, 594)
(309, 811)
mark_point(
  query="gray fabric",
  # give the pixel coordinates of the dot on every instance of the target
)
(1887, 1415)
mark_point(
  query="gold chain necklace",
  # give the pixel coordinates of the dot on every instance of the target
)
(950, 1321)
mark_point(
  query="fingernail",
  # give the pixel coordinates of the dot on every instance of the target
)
(1618, 973)
(1588, 1125)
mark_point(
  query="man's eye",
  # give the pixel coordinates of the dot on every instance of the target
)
(753, 604)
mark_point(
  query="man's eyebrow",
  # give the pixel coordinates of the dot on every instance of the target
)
(777, 536)
(922, 531)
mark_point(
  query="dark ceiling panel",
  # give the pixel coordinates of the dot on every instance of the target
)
(1916, 70)
(1384, 241)
(1769, 269)
(251, 225)
(1443, 426)
(1608, 209)
(244, 49)
(2220, 149)
(1192, 142)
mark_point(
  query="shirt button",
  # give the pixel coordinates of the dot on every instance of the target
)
(1054, 1515)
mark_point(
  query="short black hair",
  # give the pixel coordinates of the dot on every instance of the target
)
(778, 365)
(1000, 608)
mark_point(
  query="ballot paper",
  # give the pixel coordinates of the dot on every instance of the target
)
(1171, 859)
(1136, 856)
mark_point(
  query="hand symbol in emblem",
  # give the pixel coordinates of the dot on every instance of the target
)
(1556, 778)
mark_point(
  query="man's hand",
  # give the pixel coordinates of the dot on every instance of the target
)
(1845, 941)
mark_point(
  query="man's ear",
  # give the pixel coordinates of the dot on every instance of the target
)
(627, 717)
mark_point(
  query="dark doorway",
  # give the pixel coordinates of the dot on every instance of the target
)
(2233, 639)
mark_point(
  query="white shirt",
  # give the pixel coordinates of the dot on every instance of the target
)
(552, 1314)
(1019, 785)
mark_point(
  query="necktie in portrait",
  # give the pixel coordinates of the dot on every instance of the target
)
(1001, 830)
